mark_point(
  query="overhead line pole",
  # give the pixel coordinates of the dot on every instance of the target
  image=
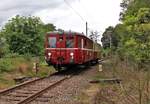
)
(86, 29)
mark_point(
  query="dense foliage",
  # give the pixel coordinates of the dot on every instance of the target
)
(133, 34)
(24, 35)
(109, 39)
(21, 38)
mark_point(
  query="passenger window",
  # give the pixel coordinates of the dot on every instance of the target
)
(82, 43)
(85, 43)
(79, 42)
(52, 42)
(69, 42)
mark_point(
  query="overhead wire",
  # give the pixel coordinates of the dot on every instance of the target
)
(83, 7)
(74, 10)
(85, 10)
(90, 22)
(86, 14)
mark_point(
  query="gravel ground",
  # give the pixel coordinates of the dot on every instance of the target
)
(13, 97)
(69, 91)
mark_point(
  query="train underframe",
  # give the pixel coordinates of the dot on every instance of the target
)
(61, 66)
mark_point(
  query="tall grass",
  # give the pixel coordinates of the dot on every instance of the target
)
(135, 86)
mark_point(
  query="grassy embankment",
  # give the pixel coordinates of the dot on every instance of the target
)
(11, 68)
(133, 89)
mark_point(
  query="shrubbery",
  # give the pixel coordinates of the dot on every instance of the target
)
(133, 34)
(20, 39)
(12, 61)
(5, 65)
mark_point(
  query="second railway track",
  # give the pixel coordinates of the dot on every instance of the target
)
(27, 92)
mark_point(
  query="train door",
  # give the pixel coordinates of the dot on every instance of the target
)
(61, 49)
(61, 41)
(83, 50)
(70, 45)
(79, 53)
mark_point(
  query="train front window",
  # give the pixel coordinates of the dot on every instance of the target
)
(69, 42)
(52, 42)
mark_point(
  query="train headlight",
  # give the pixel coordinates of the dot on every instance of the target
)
(71, 54)
(49, 54)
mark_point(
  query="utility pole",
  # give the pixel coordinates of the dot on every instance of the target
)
(86, 29)
(110, 39)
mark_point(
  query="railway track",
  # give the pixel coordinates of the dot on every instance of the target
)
(27, 92)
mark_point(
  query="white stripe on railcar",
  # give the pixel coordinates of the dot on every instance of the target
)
(72, 49)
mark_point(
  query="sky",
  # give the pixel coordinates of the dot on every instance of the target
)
(65, 14)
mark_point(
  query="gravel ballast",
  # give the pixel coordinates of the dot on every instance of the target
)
(69, 91)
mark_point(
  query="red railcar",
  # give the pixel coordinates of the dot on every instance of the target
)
(70, 48)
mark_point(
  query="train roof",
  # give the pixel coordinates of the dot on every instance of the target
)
(66, 32)
(69, 33)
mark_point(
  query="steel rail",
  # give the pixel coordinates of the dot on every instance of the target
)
(34, 96)
(5, 91)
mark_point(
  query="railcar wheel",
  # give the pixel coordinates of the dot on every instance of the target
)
(58, 67)
(97, 61)
(49, 64)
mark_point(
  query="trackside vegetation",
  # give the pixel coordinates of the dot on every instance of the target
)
(131, 38)
(128, 47)
(22, 36)
(21, 42)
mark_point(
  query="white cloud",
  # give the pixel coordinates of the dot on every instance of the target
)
(99, 13)
(8, 8)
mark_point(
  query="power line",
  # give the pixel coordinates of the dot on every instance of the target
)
(86, 14)
(74, 10)
(90, 21)
(84, 9)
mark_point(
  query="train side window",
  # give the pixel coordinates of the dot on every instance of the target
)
(82, 43)
(69, 42)
(85, 44)
(52, 42)
(79, 42)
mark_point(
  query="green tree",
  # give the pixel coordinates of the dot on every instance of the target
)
(136, 42)
(3, 46)
(109, 39)
(26, 34)
(131, 7)
(94, 36)
(43, 29)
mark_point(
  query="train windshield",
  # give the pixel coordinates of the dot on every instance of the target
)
(52, 42)
(70, 42)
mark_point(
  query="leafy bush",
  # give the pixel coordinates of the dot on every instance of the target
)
(4, 47)
(5, 65)
(26, 34)
(12, 62)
